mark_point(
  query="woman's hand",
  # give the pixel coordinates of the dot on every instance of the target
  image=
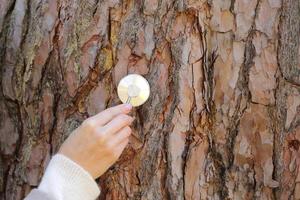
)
(100, 140)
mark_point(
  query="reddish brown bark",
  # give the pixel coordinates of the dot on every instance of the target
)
(222, 121)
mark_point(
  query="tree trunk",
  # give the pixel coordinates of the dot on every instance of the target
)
(223, 117)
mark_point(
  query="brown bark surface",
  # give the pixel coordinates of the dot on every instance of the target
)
(222, 121)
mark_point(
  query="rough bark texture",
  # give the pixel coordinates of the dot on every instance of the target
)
(222, 121)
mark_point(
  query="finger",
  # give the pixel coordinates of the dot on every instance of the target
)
(121, 135)
(117, 124)
(107, 115)
(121, 147)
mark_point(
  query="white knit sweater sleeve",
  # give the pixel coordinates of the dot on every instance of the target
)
(66, 180)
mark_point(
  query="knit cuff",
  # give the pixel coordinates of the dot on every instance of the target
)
(66, 180)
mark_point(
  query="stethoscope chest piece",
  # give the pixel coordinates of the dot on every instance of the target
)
(134, 89)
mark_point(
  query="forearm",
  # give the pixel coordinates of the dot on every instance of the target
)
(65, 180)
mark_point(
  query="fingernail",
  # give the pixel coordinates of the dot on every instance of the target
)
(128, 106)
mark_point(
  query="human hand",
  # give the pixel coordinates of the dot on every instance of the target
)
(100, 140)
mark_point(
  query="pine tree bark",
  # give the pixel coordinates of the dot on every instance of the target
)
(222, 121)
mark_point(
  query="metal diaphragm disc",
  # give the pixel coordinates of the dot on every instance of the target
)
(133, 89)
